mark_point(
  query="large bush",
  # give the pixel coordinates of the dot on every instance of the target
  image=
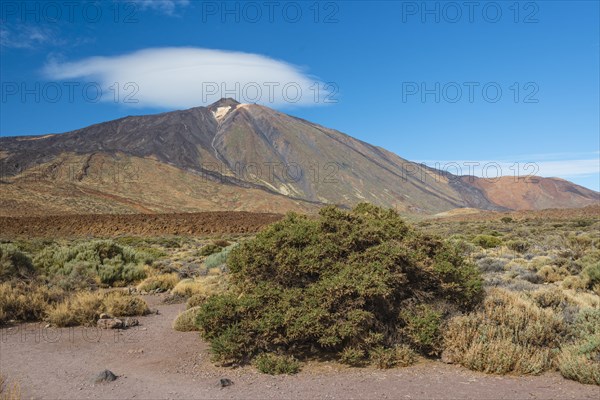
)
(345, 282)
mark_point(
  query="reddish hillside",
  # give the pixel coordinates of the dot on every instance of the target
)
(534, 193)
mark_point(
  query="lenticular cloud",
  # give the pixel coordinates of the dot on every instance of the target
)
(189, 77)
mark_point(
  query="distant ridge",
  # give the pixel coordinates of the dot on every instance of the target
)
(243, 157)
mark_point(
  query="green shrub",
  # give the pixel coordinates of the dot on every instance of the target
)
(582, 223)
(487, 241)
(423, 328)
(580, 361)
(306, 285)
(274, 364)
(209, 249)
(111, 262)
(218, 259)
(14, 264)
(399, 356)
(591, 274)
(353, 356)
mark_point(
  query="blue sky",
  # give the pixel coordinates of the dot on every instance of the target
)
(502, 82)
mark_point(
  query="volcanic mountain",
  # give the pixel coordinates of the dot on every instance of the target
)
(232, 156)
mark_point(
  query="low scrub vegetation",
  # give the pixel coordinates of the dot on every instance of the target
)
(580, 360)
(186, 321)
(22, 302)
(14, 264)
(275, 364)
(104, 261)
(361, 280)
(508, 334)
(518, 296)
(84, 308)
(160, 282)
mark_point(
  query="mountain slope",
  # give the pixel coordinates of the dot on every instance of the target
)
(232, 156)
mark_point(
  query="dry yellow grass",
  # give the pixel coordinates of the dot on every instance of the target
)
(163, 282)
(583, 299)
(576, 362)
(509, 334)
(552, 273)
(9, 390)
(121, 304)
(186, 321)
(26, 303)
(206, 286)
(83, 308)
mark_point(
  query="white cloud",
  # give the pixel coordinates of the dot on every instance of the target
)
(27, 36)
(164, 6)
(188, 77)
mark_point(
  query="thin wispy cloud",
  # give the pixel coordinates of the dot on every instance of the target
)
(188, 77)
(540, 165)
(27, 36)
(168, 7)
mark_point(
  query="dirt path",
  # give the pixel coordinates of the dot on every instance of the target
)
(155, 362)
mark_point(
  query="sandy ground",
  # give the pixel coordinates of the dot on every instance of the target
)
(155, 362)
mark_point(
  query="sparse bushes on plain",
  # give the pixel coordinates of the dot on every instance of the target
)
(337, 282)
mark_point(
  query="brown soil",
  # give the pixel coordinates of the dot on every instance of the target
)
(106, 225)
(153, 361)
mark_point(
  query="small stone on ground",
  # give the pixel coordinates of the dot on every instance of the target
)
(105, 376)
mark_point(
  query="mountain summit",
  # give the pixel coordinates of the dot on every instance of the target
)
(233, 156)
